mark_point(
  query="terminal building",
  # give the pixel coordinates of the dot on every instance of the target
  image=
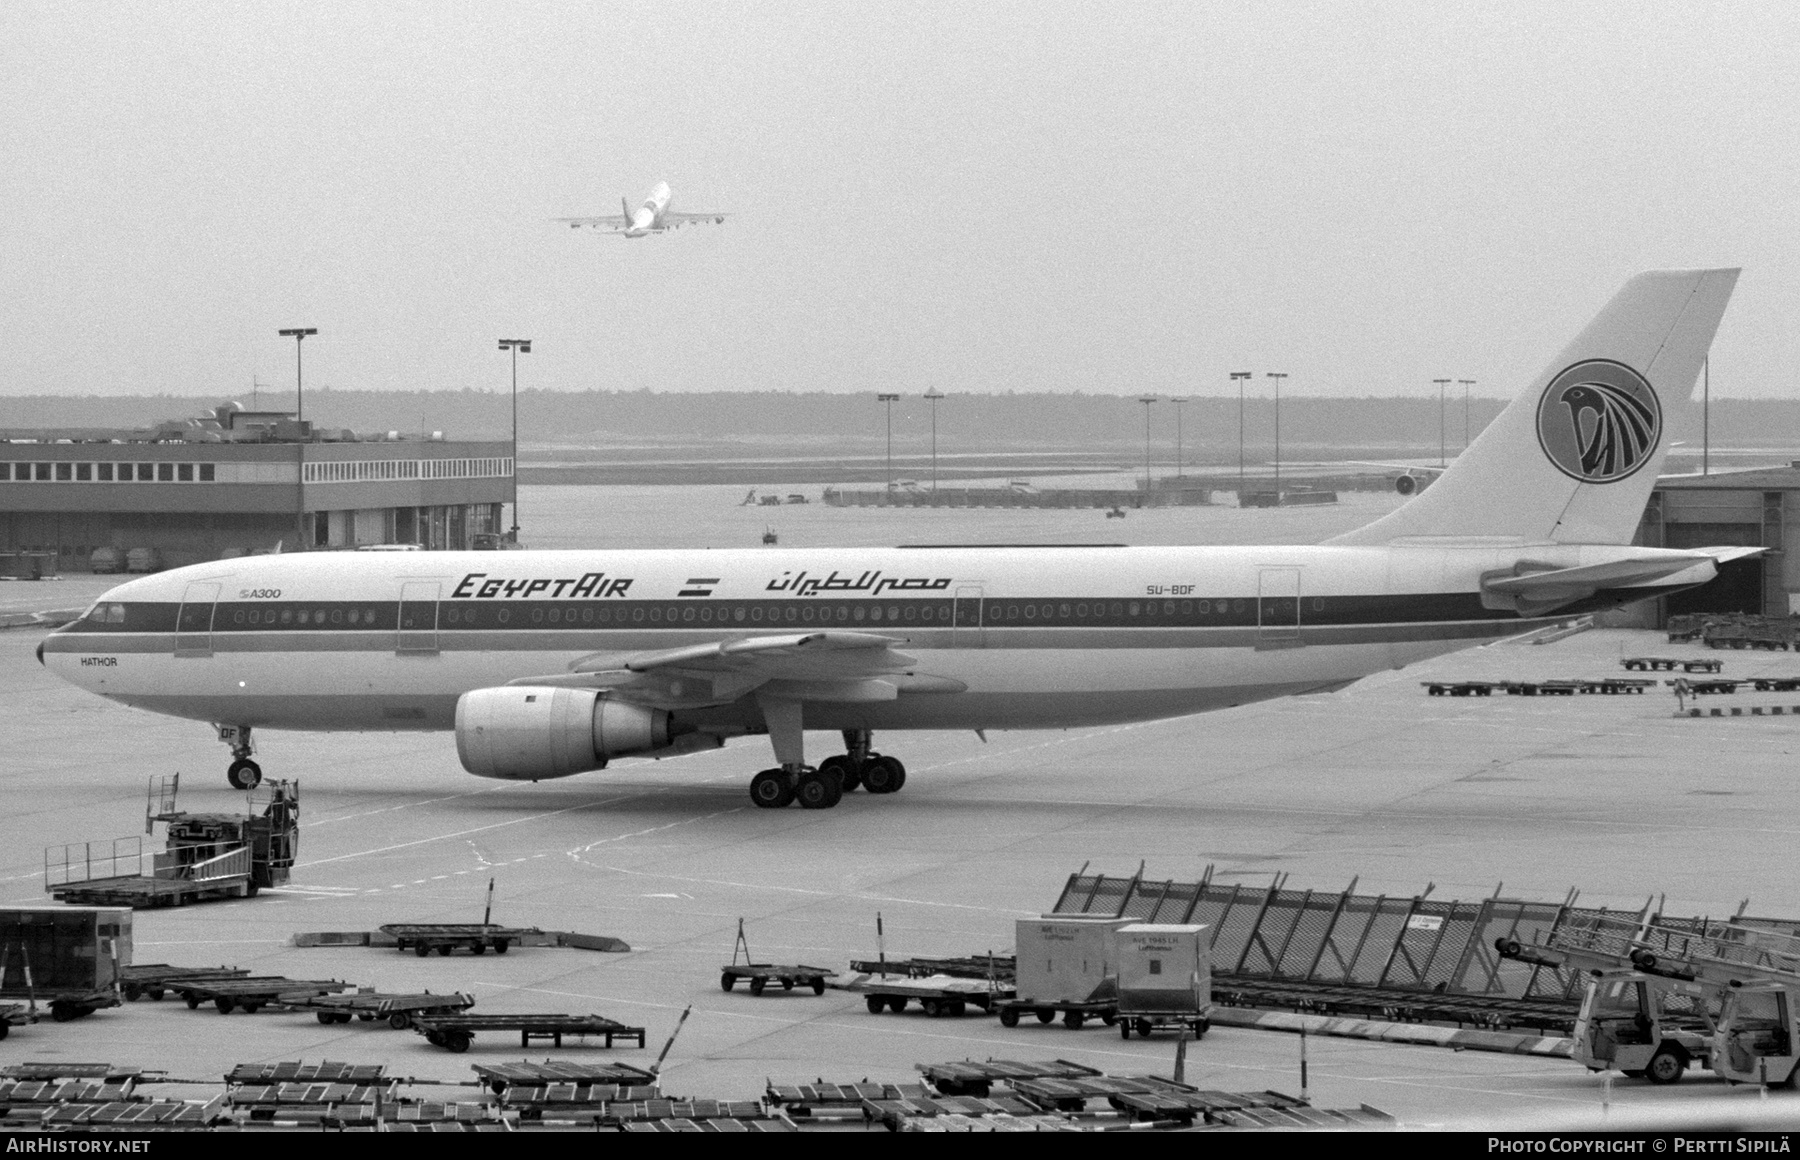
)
(239, 482)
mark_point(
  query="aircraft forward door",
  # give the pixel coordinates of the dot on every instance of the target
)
(966, 631)
(418, 619)
(1278, 608)
(193, 624)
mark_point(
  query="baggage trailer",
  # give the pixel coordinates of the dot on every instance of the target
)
(368, 1005)
(444, 937)
(937, 995)
(1065, 966)
(1670, 664)
(65, 958)
(760, 975)
(151, 980)
(456, 1032)
(251, 993)
(206, 856)
(1001, 968)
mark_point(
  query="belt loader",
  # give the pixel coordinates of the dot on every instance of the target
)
(1654, 989)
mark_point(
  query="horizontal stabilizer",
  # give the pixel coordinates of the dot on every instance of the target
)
(1533, 589)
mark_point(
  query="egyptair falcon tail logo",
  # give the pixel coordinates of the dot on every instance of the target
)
(1599, 421)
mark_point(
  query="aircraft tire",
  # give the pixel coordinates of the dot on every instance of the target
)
(818, 790)
(883, 775)
(244, 774)
(770, 789)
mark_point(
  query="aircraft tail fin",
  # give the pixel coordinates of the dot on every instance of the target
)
(625, 208)
(1572, 459)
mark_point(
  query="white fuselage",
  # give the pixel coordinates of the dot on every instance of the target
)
(1004, 638)
(647, 218)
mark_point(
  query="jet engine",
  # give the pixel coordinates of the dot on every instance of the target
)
(527, 733)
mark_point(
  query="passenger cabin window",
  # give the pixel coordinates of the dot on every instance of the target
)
(103, 472)
(165, 473)
(84, 472)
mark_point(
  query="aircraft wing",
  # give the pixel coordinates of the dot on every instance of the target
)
(614, 222)
(814, 666)
(674, 221)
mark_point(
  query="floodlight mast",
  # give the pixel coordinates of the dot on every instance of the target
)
(889, 398)
(518, 346)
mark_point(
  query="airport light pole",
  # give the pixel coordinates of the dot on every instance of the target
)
(890, 400)
(932, 396)
(1178, 400)
(1146, 400)
(1466, 384)
(1441, 384)
(1240, 378)
(518, 346)
(1277, 377)
(298, 334)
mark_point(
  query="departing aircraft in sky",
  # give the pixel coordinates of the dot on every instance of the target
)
(546, 664)
(653, 217)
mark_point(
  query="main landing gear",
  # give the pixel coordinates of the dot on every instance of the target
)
(825, 786)
(242, 773)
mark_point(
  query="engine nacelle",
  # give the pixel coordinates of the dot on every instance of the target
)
(529, 732)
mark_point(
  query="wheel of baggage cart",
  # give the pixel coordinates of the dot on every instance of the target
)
(954, 1007)
(253, 1008)
(458, 1041)
(5, 1029)
(897, 1004)
(787, 984)
(193, 1001)
(155, 994)
(1109, 1017)
(1124, 1029)
(131, 992)
(479, 948)
(1143, 1028)
(818, 985)
(1009, 1016)
(876, 1004)
(1044, 1014)
(757, 985)
(932, 1007)
(399, 1021)
(500, 946)
(1665, 1067)
(727, 982)
(444, 949)
(224, 1004)
(1073, 1020)
(421, 950)
(327, 1017)
(365, 1016)
(770, 790)
(435, 1038)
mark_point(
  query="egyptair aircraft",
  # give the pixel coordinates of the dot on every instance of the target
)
(546, 664)
(653, 217)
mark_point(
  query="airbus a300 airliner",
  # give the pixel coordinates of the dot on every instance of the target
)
(546, 664)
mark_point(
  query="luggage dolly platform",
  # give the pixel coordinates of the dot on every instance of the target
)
(1195, 1023)
(252, 993)
(443, 937)
(760, 975)
(399, 1010)
(1074, 1014)
(937, 995)
(15, 1015)
(456, 1032)
(1670, 664)
(152, 980)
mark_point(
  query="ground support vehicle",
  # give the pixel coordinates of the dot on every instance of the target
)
(611, 1081)
(206, 856)
(1146, 1023)
(65, 958)
(397, 1010)
(969, 1077)
(1395, 1004)
(1670, 664)
(152, 980)
(456, 1032)
(1704, 686)
(1460, 688)
(1002, 968)
(444, 937)
(251, 993)
(1685, 626)
(15, 1015)
(1073, 1014)
(936, 995)
(1775, 684)
(1751, 632)
(760, 975)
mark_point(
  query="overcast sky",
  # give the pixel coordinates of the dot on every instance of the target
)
(1036, 196)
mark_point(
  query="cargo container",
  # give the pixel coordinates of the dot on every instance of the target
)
(1165, 976)
(68, 957)
(1066, 960)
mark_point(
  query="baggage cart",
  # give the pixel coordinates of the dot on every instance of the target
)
(1670, 664)
(760, 975)
(615, 1080)
(1460, 688)
(937, 995)
(251, 993)
(457, 1032)
(444, 937)
(65, 958)
(398, 1010)
(151, 980)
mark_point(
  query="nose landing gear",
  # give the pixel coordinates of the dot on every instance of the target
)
(242, 773)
